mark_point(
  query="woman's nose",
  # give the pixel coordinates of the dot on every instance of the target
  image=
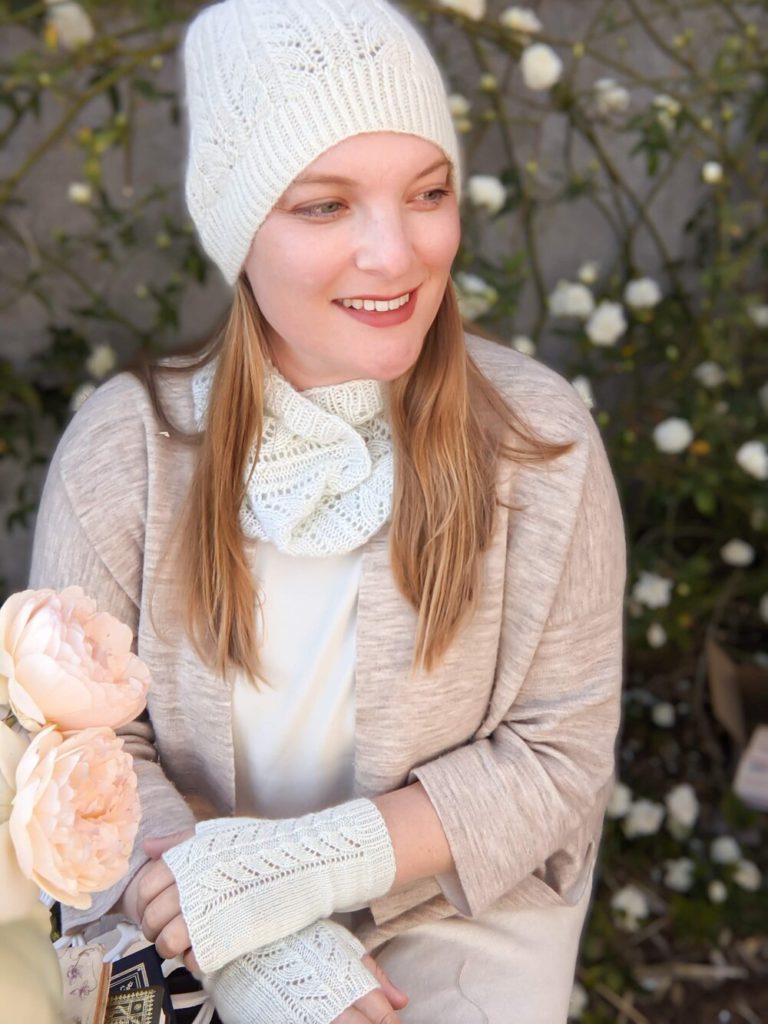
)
(384, 246)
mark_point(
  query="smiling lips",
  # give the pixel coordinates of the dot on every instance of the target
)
(377, 305)
(379, 312)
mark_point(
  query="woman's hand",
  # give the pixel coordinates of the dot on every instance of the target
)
(378, 1006)
(244, 883)
(157, 907)
(320, 975)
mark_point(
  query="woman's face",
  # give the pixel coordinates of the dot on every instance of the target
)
(374, 219)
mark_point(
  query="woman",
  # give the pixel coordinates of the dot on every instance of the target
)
(380, 596)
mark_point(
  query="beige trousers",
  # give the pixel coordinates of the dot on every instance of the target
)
(502, 967)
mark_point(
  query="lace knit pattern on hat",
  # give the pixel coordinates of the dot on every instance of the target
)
(323, 480)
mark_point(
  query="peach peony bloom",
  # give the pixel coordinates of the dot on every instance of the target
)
(64, 663)
(20, 895)
(75, 814)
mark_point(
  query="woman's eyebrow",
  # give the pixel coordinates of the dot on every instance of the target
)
(335, 179)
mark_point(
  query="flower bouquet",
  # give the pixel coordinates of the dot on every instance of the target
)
(69, 808)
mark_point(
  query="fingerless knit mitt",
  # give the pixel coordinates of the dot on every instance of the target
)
(247, 882)
(308, 978)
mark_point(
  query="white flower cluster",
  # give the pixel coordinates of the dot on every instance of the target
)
(737, 553)
(642, 293)
(80, 193)
(631, 906)
(709, 374)
(70, 24)
(522, 343)
(656, 635)
(541, 67)
(610, 97)
(487, 192)
(583, 388)
(476, 297)
(522, 21)
(667, 111)
(652, 590)
(101, 361)
(753, 459)
(474, 9)
(672, 435)
(571, 300)
(460, 107)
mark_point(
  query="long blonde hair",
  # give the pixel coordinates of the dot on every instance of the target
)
(450, 427)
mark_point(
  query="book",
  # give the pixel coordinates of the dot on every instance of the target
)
(142, 969)
(85, 983)
(137, 1006)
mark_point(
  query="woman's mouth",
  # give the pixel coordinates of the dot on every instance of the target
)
(378, 311)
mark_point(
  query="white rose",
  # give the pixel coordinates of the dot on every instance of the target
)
(81, 395)
(717, 891)
(577, 1004)
(753, 459)
(631, 905)
(747, 875)
(712, 172)
(584, 390)
(682, 805)
(458, 105)
(607, 324)
(71, 24)
(763, 607)
(663, 714)
(474, 9)
(672, 435)
(644, 293)
(610, 97)
(737, 553)
(725, 850)
(620, 801)
(652, 590)
(709, 374)
(678, 874)
(571, 300)
(588, 271)
(656, 635)
(643, 818)
(520, 20)
(523, 344)
(80, 192)
(486, 191)
(476, 297)
(541, 66)
(667, 110)
(101, 361)
(758, 315)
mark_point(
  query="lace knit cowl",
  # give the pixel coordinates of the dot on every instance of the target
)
(322, 484)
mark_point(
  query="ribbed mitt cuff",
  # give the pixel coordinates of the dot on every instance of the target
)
(247, 882)
(308, 978)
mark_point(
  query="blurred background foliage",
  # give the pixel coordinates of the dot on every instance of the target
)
(616, 183)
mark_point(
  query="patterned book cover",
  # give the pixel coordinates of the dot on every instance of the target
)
(142, 969)
(139, 1006)
(85, 984)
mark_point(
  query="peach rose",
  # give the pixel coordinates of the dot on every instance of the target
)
(64, 663)
(75, 814)
(19, 894)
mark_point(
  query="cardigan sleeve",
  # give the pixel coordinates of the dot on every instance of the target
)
(531, 795)
(89, 532)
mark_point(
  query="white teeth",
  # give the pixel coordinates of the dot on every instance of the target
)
(379, 305)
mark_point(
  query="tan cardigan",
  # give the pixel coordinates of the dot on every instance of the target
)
(512, 735)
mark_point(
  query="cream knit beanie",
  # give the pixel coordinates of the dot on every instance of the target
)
(272, 84)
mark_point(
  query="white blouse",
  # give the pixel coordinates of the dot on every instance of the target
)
(294, 734)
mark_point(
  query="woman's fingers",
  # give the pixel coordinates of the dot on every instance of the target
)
(374, 1008)
(395, 995)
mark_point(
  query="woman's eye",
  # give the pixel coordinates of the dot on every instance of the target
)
(434, 195)
(320, 210)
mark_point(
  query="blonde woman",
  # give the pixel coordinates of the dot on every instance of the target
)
(375, 565)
